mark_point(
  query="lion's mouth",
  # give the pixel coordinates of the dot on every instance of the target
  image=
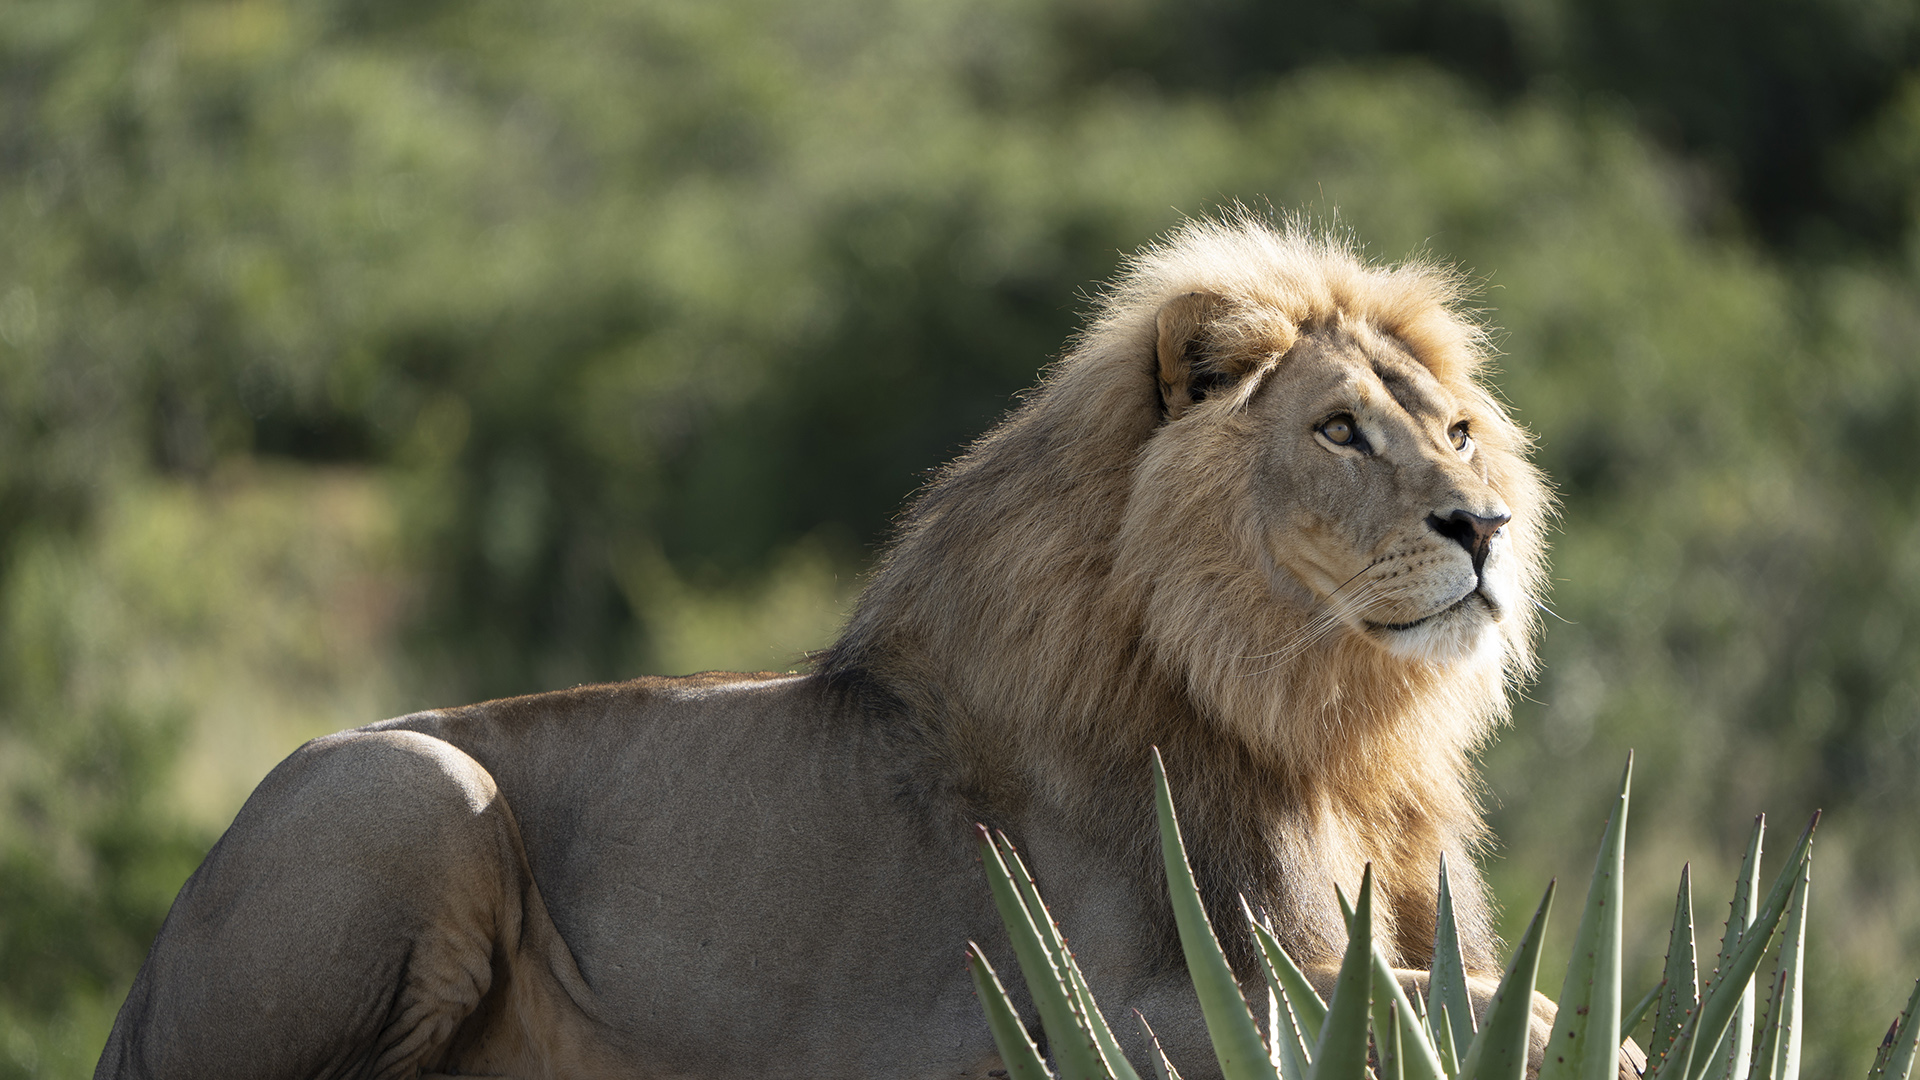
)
(1423, 620)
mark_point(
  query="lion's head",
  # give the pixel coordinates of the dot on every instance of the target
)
(1330, 498)
(1364, 492)
(1261, 514)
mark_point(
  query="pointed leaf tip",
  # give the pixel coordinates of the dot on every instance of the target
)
(1447, 985)
(1300, 1012)
(1726, 1008)
(1895, 1060)
(1679, 981)
(1162, 1066)
(1342, 1052)
(1236, 1040)
(1499, 1052)
(1010, 1036)
(1042, 962)
(1586, 1031)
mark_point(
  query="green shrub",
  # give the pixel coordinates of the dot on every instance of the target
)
(1695, 1036)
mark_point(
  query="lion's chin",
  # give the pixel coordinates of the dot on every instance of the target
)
(1464, 631)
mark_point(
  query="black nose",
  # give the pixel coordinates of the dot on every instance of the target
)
(1470, 531)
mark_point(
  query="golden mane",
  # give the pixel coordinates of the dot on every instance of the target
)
(1086, 581)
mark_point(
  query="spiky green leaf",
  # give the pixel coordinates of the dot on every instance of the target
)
(1767, 1060)
(1236, 1041)
(1679, 982)
(1677, 1063)
(1342, 1051)
(1881, 1055)
(1443, 1034)
(1162, 1065)
(1499, 1052)
(1728, 1060)
(1447, 986)
(1088, 1011)
(1388, 1032)
(1420, 1061)
(1584, 1044)
(1296, 1009)
(1896, 1056)
(1777, 1057)
(1284, 976)
(1068, 1036)
(1292, 1054)
(1722, 997)
(1022, 1058)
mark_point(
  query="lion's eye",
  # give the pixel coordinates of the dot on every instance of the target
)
(1340, 430)
(1457, 434)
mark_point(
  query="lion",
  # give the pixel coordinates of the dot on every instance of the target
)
(1262, 515)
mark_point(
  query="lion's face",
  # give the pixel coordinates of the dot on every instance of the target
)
(1352, 489)
(1373, 493)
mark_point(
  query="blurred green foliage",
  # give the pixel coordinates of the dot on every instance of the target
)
(578, 340)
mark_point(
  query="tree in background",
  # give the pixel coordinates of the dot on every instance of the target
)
(640, 319)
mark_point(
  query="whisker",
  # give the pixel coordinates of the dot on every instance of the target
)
(1328, 618)
(1355, 577)
(1542, 605)
(1321, 611)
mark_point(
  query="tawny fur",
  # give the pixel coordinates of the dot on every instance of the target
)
(1083, 584)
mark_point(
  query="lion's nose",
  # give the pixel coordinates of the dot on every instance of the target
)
(1471, 531)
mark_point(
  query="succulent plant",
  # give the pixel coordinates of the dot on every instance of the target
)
(1373, 1027)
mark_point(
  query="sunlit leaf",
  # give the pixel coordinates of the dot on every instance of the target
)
(1449, 1054)
(1721, 998)
(1162, 1066)
(1778, 1056)
(1068, 1036)
(1585, 1040)
(1679, 983)
(1420, 1060)
(1236, 1041)
(1342, 1050)
(1285, 976)
(1728, 1060)
(1767, 1059)
(1499, 1052)
(1387, 1035)
(1289, 1039)
(1448, 983)
(1897, 1052)
(1085, 1008)
(1017, 1050)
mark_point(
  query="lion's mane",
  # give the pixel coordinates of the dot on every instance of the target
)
(1087, 581)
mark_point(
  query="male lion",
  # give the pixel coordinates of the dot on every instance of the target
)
(1261, 516)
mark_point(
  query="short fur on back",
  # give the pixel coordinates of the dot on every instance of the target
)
(1089, 580)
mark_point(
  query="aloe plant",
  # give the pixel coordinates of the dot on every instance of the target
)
(1436, 1037)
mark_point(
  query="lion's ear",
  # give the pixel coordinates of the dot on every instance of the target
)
(1186, 375)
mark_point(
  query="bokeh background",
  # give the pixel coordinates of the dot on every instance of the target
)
(357, 357)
